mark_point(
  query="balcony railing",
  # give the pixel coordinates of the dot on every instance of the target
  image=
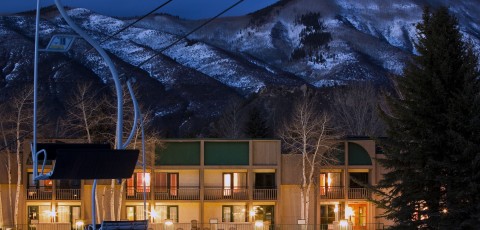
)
(67, 194)
(136, 193)
(338, 192)
(182, 193)
(240, 193)
(39, 194)
(265, 194)
(332, 192)
(358, 193)
(252, 226)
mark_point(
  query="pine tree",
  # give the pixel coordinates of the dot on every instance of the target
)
(432, 152)
(256, 126)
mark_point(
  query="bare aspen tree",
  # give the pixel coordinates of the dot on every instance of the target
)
(308, 133)
(84, 111)
(21, 114)
(356, 110)
(8, 163)
(151, 138)
(230, 123)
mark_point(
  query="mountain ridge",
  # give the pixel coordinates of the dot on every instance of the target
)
(284, 46)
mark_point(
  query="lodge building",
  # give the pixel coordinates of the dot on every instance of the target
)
(207, 184)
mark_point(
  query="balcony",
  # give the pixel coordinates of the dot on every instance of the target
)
(182, 193)
(332, 192)
(337, 192)
(135, 193)
(265, 194)
(240, 193)
(67, 194)
(39, 194)
(358, 193)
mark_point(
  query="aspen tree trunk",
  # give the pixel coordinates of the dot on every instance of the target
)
(19, 168)
(120, 199)
(307, 135)
(9, 172)
(112, 200)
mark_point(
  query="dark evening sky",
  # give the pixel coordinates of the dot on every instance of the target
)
(191, 9)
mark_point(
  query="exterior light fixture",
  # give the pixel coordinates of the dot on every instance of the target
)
(153, 214)
(349, 212)
(259, 223)
(343, 225)
(168, 222)
(79, 224)
(252, 213)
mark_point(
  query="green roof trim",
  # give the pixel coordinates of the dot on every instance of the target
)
(178, 153)
(357, 155)
(226, 153)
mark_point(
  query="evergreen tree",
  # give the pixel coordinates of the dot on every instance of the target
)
(432, 152)
(256, 126)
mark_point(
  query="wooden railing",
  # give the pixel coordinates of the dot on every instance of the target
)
(265, 194)
(332, 192)
(133, 193)
(226, 194)
(182, 193)
(39, 194)
(358, 193)
(67, 194)
(200, 226)
(338, 192)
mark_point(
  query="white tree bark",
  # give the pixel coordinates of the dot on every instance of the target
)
(112, 200)
(356, 110)
(8, 167)
(20, 103)
(308, 133)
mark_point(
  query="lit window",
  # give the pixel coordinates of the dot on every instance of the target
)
(234, 213)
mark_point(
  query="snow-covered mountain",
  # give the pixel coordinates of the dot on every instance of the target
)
(361, 39)
(286, 45)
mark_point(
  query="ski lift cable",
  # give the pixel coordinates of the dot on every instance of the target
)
(119, 31)
(144, 62)
(108, 38)
(187, 34)
(136, 21)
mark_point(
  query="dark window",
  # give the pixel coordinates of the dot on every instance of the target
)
(234, 213)
(327, 215)
(265, 180)
(357, 180)
(68, 184)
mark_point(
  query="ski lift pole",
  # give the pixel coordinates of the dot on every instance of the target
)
(118, 88)
(139, 119)
(35, 86)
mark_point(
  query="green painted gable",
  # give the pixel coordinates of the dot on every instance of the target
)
(226, 153)
(178, 153)
(357, 155)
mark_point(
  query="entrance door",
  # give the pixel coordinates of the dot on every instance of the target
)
(359, 219)
(33, 216)
(38, 214)
(266, 213)
(74, 216)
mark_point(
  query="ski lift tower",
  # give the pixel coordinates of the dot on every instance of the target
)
(85, 161)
